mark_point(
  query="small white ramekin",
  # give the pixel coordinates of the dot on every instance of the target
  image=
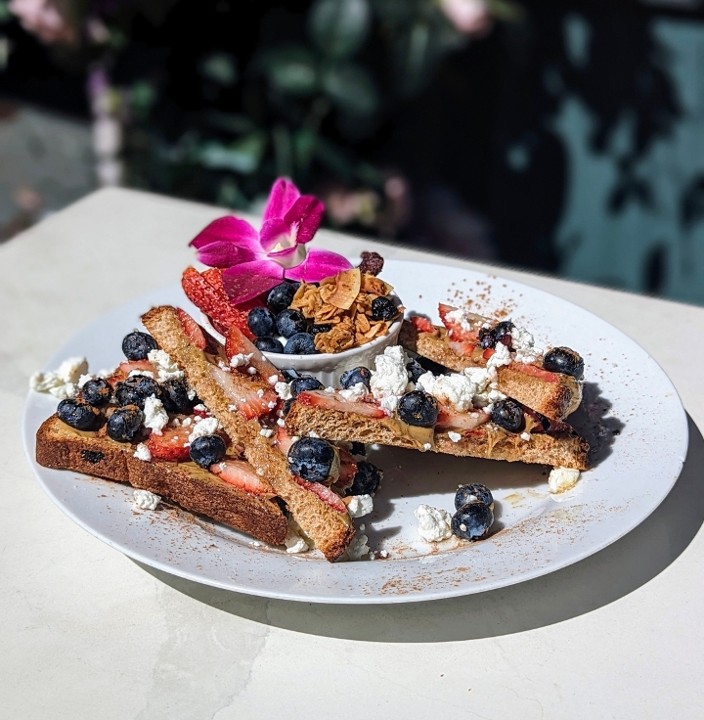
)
(327, 367)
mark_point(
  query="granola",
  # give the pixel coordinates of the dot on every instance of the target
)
(344, 302)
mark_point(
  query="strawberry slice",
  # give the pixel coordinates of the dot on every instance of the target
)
(214, 277)
(283, 440)
(536, 371)
(123, 370)
(242, 475)
(171, 445)
(323, 492)
(334, 401)
(451, 419)
(422, 324)
(251, 399)
(213, 302)
(237, 343)
(195, 332)
(455, 328)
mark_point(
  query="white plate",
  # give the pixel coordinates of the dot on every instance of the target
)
(639, 447)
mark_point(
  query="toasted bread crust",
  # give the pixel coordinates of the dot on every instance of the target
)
(189, 486)
(556, 398)
(329, 529)
(564, 449)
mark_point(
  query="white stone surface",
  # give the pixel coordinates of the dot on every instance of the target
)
(88, 633)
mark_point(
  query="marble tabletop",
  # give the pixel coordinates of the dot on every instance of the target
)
(89, 633)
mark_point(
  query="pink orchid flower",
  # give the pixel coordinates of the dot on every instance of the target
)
(257, 261)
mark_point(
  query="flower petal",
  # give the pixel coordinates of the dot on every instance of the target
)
(289, 257)
(273, 232)
(246, 281)
(318, 265)
(227, 241)
(282, 196)
(229, 229)
(307, 214)
(222, 254)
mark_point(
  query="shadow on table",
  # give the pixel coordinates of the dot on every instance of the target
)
(609, 575)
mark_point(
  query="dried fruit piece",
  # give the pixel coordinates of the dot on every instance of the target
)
(372, 263)
(213, 302)
(341, 290)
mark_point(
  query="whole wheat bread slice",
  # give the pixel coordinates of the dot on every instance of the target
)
(564, 448)
(186, 484)
(555, 395)
(328, 527)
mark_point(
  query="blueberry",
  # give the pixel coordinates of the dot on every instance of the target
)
(269, 344)
(280, 297)
(420, 365)
(305, 382)
(414, 370)
(136, 389)
(125, 423)
(418, 408)
(383, 308)
(137, 345)
(97, 392)
(207, 450)
(353, 377)
(487, 339)
(473, 492)
(300, 344)
(177, 396)
(261, 321)
(502, 331)
(366, 480)
(79, 415)
(286, 407)
(317, 329)
(508, 414)
(311, 459)
(472, 521)
(289, 322)
(564, 360)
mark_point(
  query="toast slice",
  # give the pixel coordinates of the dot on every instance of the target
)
(189, 486)
(400, 403)
(456, 345)
(230, 395)
(333, 417)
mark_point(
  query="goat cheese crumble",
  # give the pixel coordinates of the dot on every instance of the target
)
(145, 500)
(434, 524)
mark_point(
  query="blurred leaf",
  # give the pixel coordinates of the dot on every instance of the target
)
(220, 68)
(229, 195)
(416, 53)
(352, 89)
(304, 146)
(283, 151)
(335, 160)
(243, 156)
(291, 70)
(506, 10)
(339, 27)
(142, 97)
(5, 13)
(235, 123)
